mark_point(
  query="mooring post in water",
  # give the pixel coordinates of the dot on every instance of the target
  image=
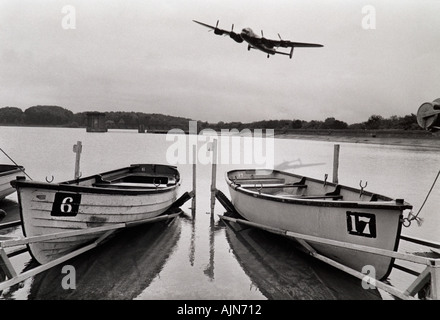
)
(214, 171)
(335, 163)
(435, 281)
(194, 167)
(77, 148)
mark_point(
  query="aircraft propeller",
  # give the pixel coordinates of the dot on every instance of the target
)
(282, 42)
(218, 31)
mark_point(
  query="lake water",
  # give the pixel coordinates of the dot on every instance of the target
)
(196, 256)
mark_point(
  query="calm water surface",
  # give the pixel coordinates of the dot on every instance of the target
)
(196, 256)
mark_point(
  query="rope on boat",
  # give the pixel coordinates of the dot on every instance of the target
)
(18, 166)
(415, 217)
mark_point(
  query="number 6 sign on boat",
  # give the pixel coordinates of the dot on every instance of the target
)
(66, 204)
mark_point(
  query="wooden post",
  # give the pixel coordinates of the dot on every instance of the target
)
(435, 281)
(193, 200)
(6, 266)
(214, 171)
(336, 163)
(77, 148)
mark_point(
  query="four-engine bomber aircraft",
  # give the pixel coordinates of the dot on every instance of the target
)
(260, 43)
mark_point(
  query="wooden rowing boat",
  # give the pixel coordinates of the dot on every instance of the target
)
(7, 174)
(128, 195)
(323, 209)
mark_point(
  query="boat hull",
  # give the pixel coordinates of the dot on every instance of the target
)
(369, 224)
(57, 208)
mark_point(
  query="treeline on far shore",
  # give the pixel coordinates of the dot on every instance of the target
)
(61, 117)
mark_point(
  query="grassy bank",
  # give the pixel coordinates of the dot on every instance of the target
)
(418, 138)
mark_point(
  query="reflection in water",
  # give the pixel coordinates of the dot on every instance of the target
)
(11, 211)
(213, 229)
(192, 242)
(10, 293)
(11, 214)
(295, 164)
(119, 269)
(281, 271)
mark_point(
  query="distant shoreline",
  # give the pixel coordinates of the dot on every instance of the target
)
(416, 138)
(428, 141)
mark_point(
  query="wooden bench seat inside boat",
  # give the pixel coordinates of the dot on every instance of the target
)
(135, 181)
(258, 181)
(270, 183)
(335, 195)
(275, 185)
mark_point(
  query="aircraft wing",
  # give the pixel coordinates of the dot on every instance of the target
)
(216, 29)
(287, 44)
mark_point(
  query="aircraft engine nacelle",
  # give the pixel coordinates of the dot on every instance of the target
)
(219, 32)
(428, 116)
(284, 44)
(236, 37)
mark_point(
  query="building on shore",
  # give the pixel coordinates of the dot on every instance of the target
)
(96, 122)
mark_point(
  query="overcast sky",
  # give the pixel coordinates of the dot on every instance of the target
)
(148, 56)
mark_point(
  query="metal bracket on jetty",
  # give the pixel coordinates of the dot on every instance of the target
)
(426, 284)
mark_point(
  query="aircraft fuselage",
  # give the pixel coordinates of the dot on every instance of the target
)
(255, 41)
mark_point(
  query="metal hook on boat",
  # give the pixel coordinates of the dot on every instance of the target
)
(47, 180)
(156, 184)
(260, 188)
(325, 179)
(406, 222)
(362, 187)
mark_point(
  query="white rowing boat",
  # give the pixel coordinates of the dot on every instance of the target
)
(322, 209)
(129, 195)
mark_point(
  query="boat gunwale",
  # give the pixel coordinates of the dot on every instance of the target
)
(391, 205)
(13, 169)
(73, 185)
